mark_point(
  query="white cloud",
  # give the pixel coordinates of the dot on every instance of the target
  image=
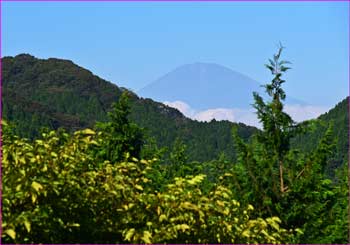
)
(234, 115)
(217, 114)
(247, 116)
(182, 107)
(301, 113)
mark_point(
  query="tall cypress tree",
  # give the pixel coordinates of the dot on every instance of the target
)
(278, 126)
(285, 182)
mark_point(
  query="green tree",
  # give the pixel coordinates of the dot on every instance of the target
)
(278, 126)
(121, 135)
(285, 182)
(263, 159)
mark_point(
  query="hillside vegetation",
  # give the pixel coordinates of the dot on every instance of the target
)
(112, 184)
(56, 93)
(339, 117)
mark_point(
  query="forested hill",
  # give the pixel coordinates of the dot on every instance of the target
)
(339, 117)
(57, 93)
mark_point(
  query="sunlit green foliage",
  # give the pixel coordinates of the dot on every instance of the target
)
(55, 192)
(43, 186)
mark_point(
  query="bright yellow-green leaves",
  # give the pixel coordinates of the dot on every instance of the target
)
(11, 233)
(55, 192)
(183, 214)
(27, 225)
(41, 182)
(36, 186)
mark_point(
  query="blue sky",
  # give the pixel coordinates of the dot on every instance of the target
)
(132, 44)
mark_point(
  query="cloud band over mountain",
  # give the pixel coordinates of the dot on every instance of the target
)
(298, 113)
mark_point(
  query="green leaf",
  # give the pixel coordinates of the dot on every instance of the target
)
(18, 187)
(162, 217)
(34, 197)
(129, 234)
(250, 207)
(74, 225)
(276, 219)
(299, 231)
(138, 187)
(11, 233)
(88, 131)
(27, 225)
(246, 233)
(147, 236)
(36, 186)
(183, 227)
(54, 154)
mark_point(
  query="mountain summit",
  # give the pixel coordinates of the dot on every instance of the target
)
(203, 85)
(206, 85)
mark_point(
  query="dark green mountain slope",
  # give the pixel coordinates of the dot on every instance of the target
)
(57, 93)
(339, 116)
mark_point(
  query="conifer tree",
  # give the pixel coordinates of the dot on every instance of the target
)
(122, 136)
(278, 126)
(283, 181)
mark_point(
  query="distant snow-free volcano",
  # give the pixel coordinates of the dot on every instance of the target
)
(204, 86)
